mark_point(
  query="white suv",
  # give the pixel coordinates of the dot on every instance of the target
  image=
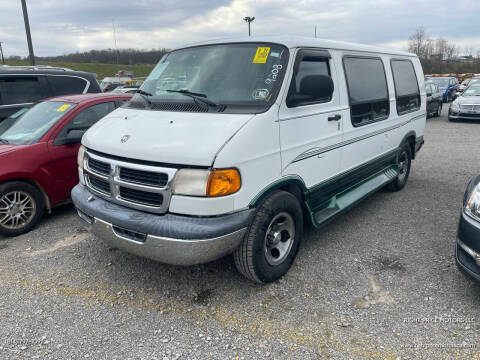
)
(230, 145)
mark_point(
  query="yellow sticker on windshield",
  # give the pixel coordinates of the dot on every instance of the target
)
(261, 55)
(64, 107)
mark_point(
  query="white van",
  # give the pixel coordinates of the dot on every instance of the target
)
(231, 145)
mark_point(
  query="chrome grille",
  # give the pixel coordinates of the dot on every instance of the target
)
(99, 166)
(99, 184)
(141, 197)
(143, 177)
(470, 107)
(142, 187)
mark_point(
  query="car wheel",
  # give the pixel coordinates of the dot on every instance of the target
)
(404, 164)
(21, 208)
(272, 241)
(439, 110)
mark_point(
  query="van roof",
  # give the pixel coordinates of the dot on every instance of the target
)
(300, 41)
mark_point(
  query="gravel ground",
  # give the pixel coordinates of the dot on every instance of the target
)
(378, 282)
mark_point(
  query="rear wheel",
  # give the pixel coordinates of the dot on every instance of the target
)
(439, 110)
(272, 241)
(404, 164)
(21, 208)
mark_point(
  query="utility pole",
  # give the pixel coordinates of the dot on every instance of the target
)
(248, 19)
(1, 53)
(315, 31)
(115, 41)
(27, 30)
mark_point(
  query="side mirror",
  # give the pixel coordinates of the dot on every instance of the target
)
(73, 136)
(313, 88)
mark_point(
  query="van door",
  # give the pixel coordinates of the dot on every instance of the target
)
(310, 132)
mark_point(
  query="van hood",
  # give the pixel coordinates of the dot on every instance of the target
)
(4, 148)
(169, 137)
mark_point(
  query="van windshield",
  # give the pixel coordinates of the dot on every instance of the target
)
(236, 78)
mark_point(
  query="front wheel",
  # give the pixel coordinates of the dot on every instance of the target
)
(404, 164)
(272, 241)
(21, 208)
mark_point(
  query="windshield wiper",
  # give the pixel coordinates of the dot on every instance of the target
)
(145, 96)
(195, 96)
(5, 141)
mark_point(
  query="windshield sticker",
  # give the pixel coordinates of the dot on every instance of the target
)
(272, 77)
(64, 107)
(261, 55)
(274, 54)
(470, 91)
(260, 94)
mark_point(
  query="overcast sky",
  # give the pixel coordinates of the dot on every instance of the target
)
(60, 27)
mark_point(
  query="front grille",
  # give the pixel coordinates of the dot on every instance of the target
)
(470, 107)
(141, 197)
(470, 115)
(99, 167)
(143, 177)
(129, 183)
(99, 184)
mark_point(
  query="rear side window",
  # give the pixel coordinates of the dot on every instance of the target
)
(367, 89)
(20, 89)
(406, 86)
(66, 85)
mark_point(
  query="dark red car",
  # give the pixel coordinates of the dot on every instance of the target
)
(38, 153)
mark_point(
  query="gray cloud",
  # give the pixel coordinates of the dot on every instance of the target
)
(68, 26)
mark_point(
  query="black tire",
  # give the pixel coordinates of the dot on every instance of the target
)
(439, 110)
(404, 162)
(254, 256)
(30, 217)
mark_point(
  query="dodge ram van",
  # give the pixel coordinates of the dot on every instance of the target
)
(231, 146)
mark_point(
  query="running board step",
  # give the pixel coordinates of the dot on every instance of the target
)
(349, 197)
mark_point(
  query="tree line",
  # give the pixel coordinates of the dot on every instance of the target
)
(439, 56)
(106, 56)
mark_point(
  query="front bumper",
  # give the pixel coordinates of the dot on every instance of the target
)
(463, 116)
(169, 238)
(467, 249)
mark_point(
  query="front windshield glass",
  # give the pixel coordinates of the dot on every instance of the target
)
(27, 127)
(240, 77)
(439, 82)
(472, 91)
(474, 81)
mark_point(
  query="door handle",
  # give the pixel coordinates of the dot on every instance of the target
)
(335, 117)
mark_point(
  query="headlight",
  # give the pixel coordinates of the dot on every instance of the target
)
(196, 182)
(80, 155)
(455, 107)
(473, 204)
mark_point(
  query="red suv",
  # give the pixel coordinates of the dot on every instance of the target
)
(38, 151)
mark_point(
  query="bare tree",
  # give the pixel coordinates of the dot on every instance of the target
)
(418, 41)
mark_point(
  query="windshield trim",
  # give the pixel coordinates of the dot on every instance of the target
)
(231, 107)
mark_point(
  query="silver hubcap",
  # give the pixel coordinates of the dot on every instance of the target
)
(279, 238)
(17, 209)
(402, 166)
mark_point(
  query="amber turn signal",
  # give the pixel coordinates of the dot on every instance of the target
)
(223, 182)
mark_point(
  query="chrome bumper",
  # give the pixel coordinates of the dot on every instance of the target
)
(167, 250)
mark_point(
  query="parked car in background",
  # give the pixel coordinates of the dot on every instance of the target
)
(110, 83)
(125, 90)
(467, 249)
(230, 145)
(467, 105)
(448, 86)
(21, 86)
(38, 151)
(434, 99)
